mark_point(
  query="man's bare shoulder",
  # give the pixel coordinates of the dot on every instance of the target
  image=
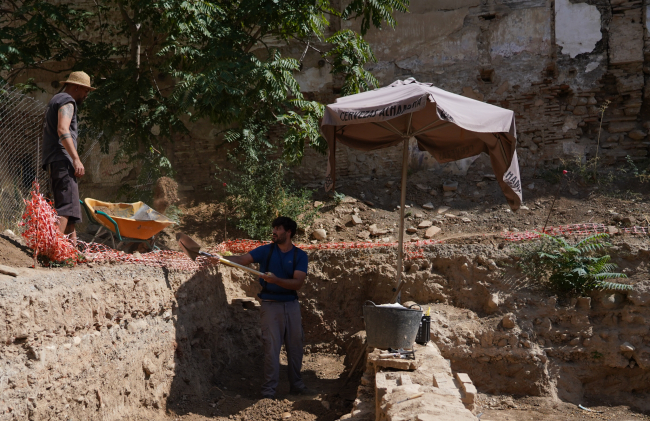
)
(67, 110)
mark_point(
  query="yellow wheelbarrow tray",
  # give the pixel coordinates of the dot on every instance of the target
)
(129, 222)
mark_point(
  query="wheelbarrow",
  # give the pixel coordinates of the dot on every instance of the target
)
(129, 222)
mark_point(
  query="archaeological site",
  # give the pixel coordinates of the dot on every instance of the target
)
(470, 181)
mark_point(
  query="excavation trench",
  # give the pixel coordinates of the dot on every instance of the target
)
(133, 342)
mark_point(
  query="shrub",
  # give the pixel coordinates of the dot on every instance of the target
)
(643, 174)
(174, 213)
(570, 268)
(260, 191)
(338, 198)
(580, 171)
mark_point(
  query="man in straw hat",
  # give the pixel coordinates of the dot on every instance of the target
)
(60, 157)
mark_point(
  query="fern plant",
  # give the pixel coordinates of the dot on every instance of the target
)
(571, 268)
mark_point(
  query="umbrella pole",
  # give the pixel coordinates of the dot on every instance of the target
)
(402, 205)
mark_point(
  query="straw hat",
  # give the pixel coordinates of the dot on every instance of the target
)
(79, 78)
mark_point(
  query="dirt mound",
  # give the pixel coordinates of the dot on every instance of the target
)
(267, 409)
(165, 194)
(14, 254)
(242, 408)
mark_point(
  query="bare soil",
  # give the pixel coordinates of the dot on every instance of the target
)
(454, 322)
(12, 253)
(505, 408)
(240, 399)
(476, 207)
(204, 222)
(487, 212)
(235, 392)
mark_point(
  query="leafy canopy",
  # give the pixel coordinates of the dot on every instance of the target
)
(159, 64)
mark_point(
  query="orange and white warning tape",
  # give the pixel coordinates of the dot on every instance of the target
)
(42, 235)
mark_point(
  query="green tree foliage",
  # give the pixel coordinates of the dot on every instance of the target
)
(570, 268)
(220, 60)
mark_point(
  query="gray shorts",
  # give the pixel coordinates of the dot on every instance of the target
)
(65, 190)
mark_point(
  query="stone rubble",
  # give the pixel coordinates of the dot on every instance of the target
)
(450, 186)
(319, 234)
(420, 389)
(509, 321)
(431, 232)
(375, 231)
(425, 224)
(7, 270)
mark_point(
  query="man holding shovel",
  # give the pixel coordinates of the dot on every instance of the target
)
(284, 269)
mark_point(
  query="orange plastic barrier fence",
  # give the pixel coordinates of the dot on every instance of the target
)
(41, 230)
(42, 235)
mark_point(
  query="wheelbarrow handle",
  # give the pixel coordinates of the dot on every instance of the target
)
(112, 221)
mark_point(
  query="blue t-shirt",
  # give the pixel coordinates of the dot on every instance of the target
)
(281, 265)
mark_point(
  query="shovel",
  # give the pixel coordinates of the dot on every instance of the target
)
(193, 250)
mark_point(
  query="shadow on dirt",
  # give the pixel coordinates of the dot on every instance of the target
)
(219, 358)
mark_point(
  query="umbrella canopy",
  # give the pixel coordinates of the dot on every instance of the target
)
(449, 126)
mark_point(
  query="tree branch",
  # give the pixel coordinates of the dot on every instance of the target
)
(14, 73)
(153, 77)
(99, 16)
(309, 45)
(253, 40)
(135, 37)
(124, 14)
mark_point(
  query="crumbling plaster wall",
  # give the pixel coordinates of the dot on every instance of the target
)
(554, 63)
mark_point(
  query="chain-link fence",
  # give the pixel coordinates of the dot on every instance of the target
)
(21, 129)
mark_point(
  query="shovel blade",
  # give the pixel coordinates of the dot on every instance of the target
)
(189, 246)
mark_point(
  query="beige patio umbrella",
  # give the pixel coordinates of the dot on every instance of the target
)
(449, 126)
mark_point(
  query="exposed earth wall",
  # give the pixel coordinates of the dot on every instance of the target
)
(115, 341)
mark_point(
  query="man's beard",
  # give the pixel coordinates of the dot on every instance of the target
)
(278, 239)
(81, 101)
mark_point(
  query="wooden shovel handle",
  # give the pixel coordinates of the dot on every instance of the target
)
(232, 264)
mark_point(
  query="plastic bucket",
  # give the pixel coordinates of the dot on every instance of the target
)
(391, 327)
